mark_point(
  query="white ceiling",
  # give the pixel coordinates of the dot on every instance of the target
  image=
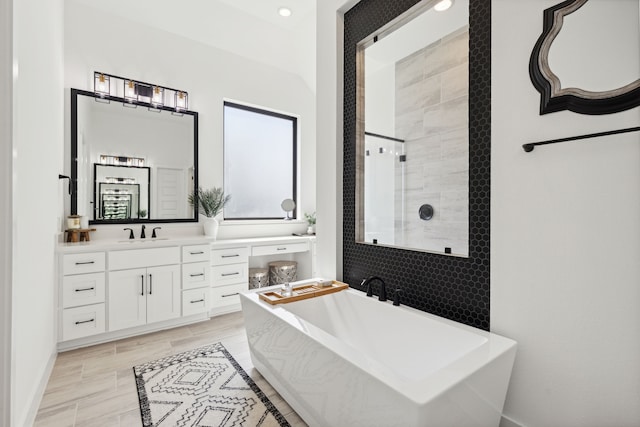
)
(249, 28)
(268, 10)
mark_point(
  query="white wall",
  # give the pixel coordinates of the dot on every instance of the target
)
(565, 242)
(207, 73)
(6, 206)
(329, 34)
(38, 147)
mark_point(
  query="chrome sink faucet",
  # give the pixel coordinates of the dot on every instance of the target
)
(383, 287)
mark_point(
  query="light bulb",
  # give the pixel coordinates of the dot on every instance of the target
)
(284, 11)
(443, 5)
(130, 91)
(158, 95)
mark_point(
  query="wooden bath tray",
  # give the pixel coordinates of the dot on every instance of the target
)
(302, 292)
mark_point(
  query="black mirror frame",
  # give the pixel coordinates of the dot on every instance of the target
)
(452, 287)
(75, 93)
(552, 97)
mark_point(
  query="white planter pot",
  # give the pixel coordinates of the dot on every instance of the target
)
(311, 229)
(210, 227)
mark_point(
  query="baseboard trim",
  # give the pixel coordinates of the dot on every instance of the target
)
(30, 416)
(508, 422)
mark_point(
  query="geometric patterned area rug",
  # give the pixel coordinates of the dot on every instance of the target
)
(202, 387)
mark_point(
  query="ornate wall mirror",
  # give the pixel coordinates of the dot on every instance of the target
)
(574, 52)
(455, 287)
(131, 164)
(413, 131)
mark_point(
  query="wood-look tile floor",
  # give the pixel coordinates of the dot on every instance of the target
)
(95, 386)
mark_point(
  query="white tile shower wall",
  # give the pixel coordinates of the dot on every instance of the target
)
(432, 117)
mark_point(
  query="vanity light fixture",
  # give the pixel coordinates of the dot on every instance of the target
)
(121, 160)
(443, 5)
(139, 93)
(284, 11)
(101, 84)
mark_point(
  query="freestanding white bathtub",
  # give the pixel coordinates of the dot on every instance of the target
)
(344, 359)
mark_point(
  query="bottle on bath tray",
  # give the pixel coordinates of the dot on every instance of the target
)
(287, 290)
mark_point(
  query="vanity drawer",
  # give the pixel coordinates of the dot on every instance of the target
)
(196, 275)
(196, 253)
(284, 248)
(229, 256)
(83, 263)
(195, 301)
(82, 321)
(82, 289)
(227, 295)
(229, 274)
(142, 258)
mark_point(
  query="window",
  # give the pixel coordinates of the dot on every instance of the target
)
(259, 162)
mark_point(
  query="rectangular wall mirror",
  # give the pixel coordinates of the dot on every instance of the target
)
(412, 132)
(131, 163)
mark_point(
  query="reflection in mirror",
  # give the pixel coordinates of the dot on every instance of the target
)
(583, 51)
(121, 192)
(132, 164)
(412, 135)
(578, 64)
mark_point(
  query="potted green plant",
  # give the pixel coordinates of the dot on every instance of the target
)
(311, 222)
(209, 203)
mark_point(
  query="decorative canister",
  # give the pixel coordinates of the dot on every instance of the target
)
(73, 222)
(282, 272)
(84, 222)
(258, 277)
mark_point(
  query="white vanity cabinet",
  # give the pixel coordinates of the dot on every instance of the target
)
(82, 295)
(229, 271)
(196, 278)
(147, 293)
(114, 289)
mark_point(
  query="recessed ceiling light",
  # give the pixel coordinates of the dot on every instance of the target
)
(284, 11)
(443, 5)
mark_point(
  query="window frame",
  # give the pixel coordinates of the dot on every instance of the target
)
(294, 159)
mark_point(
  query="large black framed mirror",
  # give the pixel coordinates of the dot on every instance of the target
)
(412, 137)
(131, 164)
(449, 286)
(573, 53)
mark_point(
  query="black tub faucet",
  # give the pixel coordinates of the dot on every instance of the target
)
(383, 287)
(142, 235)
(396, 296)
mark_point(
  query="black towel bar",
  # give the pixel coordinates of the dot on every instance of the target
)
(530, 146)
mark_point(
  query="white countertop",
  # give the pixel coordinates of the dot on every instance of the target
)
(125, 244)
